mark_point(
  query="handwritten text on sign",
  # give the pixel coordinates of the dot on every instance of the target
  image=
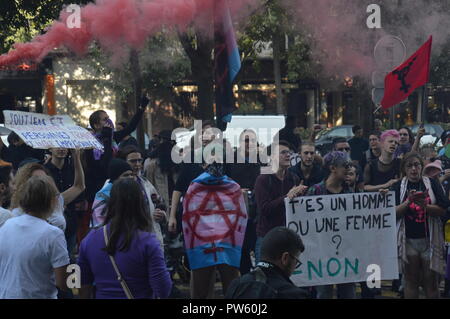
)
(343, 234)
(44, 131)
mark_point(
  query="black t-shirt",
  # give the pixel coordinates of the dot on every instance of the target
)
(317, 174)
(415, 222)
(188, 173)
(378, 177)
(358, 147)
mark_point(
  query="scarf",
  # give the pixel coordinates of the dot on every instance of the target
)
(98, 153)
(435, 227)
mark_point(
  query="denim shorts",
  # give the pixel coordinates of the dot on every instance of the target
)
(418, 247)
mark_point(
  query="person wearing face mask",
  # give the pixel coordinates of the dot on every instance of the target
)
(280, 257)
(214, 223)
(188, 171)
(421, 204)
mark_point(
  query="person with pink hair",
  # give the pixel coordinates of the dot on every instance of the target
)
(383, 172)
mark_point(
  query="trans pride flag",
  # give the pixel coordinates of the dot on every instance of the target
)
(214, 222)
(227, 62)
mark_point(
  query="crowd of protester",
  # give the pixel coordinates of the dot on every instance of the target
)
(125, 216)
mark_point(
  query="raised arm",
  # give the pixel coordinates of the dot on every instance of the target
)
(420, 134)
(131, 127)
(78, 185)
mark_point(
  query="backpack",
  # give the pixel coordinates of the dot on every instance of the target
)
(251, 286)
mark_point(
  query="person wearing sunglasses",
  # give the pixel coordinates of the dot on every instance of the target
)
(280, 258)
(339, 166)
(340, 144)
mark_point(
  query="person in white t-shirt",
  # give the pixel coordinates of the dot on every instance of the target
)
(35, 169)
(33, 253)
(5, 192)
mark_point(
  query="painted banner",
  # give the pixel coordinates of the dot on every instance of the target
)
(43, 131)
(347, 238)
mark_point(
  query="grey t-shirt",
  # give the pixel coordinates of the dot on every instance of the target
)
(30, 250)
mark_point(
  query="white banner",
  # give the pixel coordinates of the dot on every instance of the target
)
(43, 131)
(348, 238)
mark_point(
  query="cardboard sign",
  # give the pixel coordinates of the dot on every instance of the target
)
(346, 237)
(43, 131)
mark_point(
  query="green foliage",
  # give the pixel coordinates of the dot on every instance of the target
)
(21, 20)
(273, 20)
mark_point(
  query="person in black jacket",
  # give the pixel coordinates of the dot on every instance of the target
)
(96, 161)
(280, 252)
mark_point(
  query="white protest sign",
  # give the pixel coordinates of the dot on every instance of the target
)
(343, 235)
(43, 131)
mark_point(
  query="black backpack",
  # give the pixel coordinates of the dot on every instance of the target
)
(251, 286)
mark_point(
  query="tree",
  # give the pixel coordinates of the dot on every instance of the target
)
(22, 20)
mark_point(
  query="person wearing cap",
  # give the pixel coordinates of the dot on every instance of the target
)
(433, 169)
(117, 169)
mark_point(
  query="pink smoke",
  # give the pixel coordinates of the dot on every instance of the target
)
(119, 24)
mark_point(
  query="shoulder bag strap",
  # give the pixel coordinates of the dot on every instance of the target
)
(116, 269)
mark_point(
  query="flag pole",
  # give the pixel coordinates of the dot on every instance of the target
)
(377, 109)
(424, 103)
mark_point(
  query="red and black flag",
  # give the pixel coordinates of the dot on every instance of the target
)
(227, 63)
(413, 73)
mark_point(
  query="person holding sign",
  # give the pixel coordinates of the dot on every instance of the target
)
(420, 205)
(272, 189)
(339, 165)
(65, 198)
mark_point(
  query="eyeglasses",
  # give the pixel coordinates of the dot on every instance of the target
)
(135, 161)
(344, 149)
(298, 263)
(347, 165)
(417, 165)
(285, 152)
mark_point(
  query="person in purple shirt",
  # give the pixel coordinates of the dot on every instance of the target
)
(133, 245)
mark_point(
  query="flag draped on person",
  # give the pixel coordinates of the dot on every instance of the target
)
(227, 63)
(214, 222)
(413, 73)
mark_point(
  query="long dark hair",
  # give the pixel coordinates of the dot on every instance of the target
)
(164, 152)
(410, 133)
(127, 213)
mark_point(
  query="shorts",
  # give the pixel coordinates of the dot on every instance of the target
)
(418, 247)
